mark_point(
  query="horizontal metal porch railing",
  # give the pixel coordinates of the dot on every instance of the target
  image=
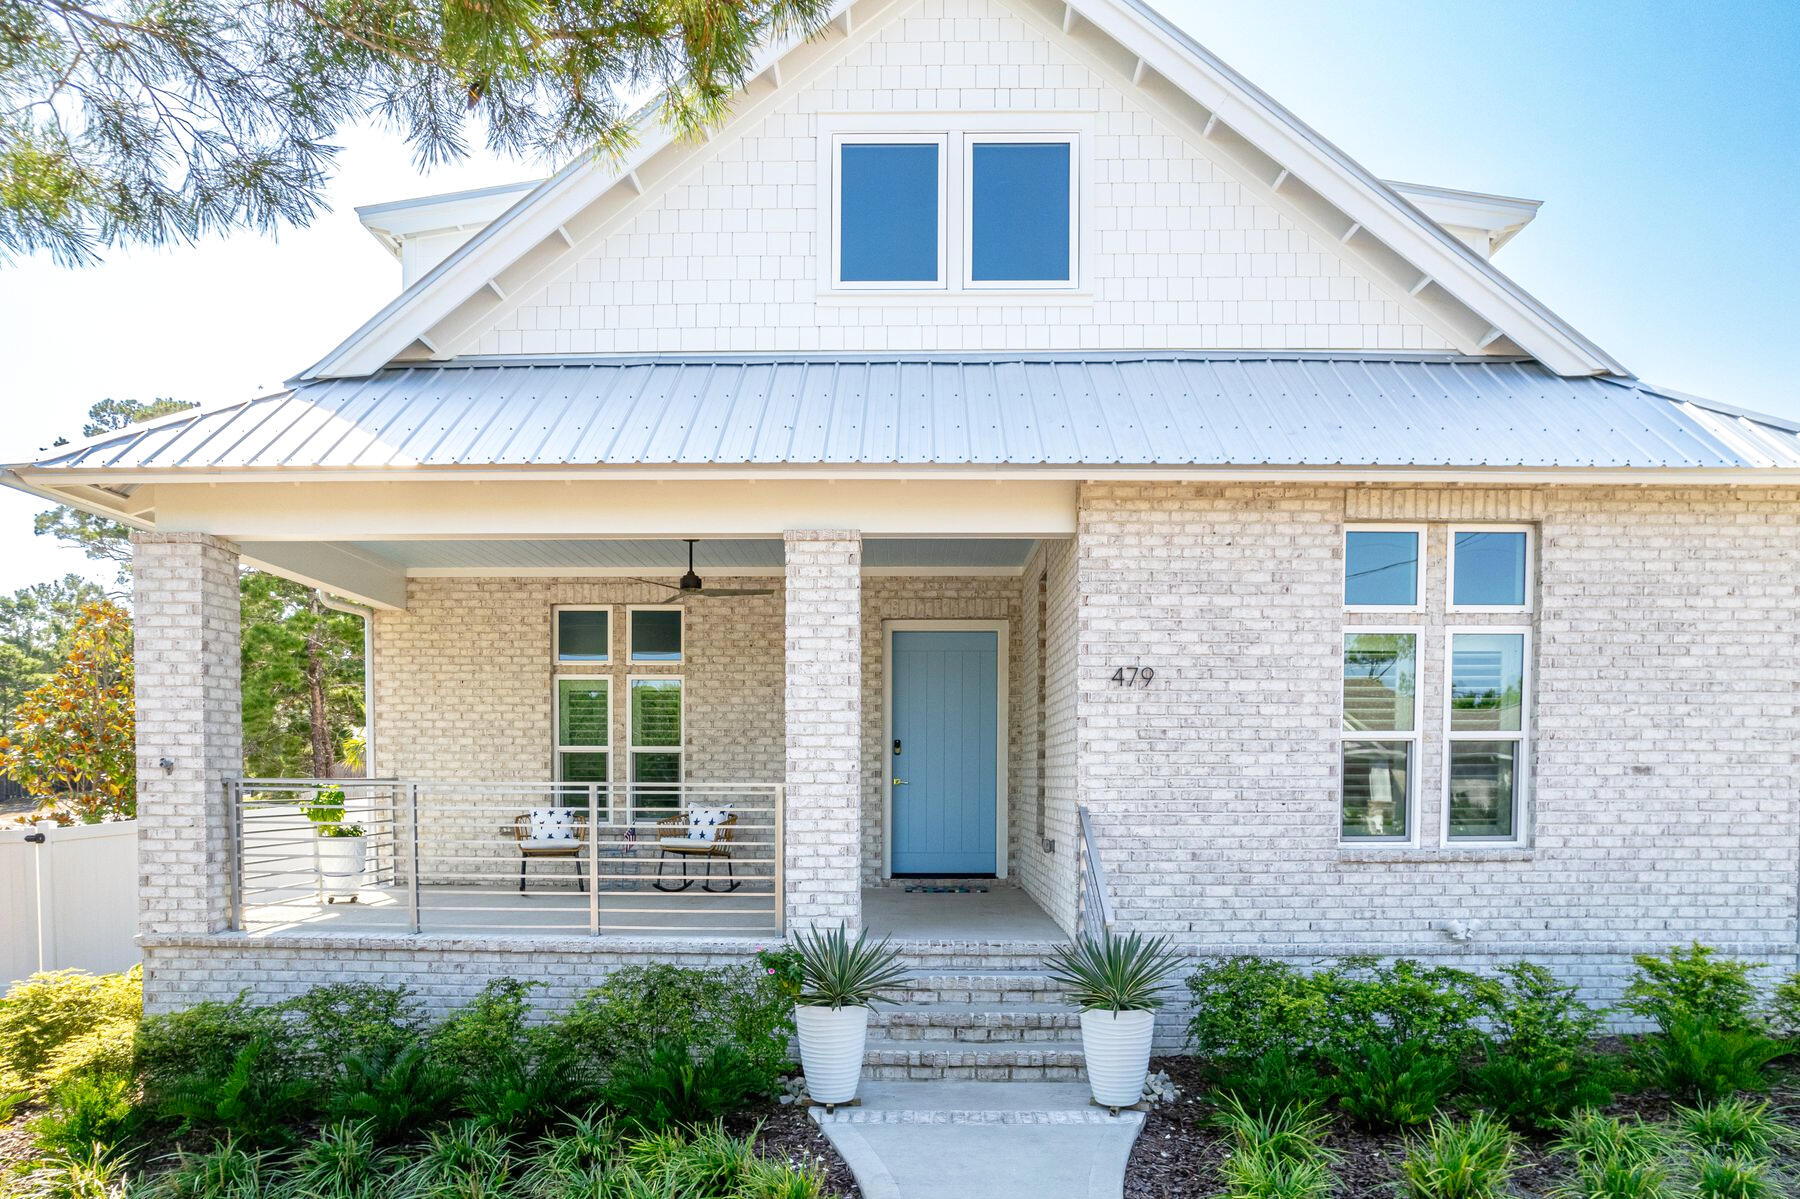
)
(445, 857)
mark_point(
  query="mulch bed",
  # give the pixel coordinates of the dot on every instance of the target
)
(788, 1135)
(15, 1145)
(1178, 1154)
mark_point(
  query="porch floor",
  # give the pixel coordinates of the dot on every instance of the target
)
(1002, 913)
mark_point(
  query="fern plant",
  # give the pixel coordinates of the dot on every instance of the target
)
(836, 972)
(257, 1100)
(677, 1087)
(1117, 973)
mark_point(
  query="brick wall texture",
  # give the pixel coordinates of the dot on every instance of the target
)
(185, 630)
(1178, 252)
(1665, 719)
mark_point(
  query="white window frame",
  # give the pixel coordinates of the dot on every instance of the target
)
(1450, 604)
(1421, 532)
(558, 749)
(556, 611)
(632, 749)
(966, 200)
(1522, 764)
(1345, 736)
(951, 129)
(834, 221)
(631, 611)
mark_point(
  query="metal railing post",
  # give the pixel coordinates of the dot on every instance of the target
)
(412, 881)
(234, 814)
(593, 793)
(780, 795)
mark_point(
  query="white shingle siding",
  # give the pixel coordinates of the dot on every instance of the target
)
(1183, 255)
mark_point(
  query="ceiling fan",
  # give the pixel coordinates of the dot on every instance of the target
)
(691, 583)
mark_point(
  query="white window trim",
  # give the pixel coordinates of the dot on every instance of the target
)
(632, 749)
(556, 611)
(832, 223)
(1450, 604)
(1419, 573)
(1076, 126)
(631, 611)
(1521, 767)
(965, 197)
(558, 749)
(1411, 840)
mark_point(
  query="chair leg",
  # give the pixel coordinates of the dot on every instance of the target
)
(522, 860)
(731, 881)
(686, 882)
(580, 880)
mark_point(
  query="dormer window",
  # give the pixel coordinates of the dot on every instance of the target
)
(964, 210)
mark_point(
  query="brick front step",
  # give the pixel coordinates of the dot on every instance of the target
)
(977, 1024)
(989, 988)
(974, 955)
(889, 1058)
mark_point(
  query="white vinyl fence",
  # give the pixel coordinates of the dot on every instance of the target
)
(68, 898)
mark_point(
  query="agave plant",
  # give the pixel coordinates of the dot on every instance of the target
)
(1116, 973)
(836, 972)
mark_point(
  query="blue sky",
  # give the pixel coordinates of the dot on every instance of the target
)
(1664, 139)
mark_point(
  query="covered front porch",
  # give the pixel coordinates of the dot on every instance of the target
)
(521, 692)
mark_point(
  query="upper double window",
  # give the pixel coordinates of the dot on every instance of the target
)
(957, 210)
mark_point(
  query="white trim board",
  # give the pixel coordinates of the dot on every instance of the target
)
(1002, 631)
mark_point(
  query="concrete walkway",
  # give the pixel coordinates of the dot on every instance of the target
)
(998, 1140)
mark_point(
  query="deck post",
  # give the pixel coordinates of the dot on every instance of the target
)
(822, 809)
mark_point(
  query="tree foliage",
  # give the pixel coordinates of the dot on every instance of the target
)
(99, 538)
(160, 120)
(35, 623)
(302, 666)
(72, 742)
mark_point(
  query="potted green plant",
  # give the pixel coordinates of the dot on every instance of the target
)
(340, 848)
(839, 979)
(1117, 982)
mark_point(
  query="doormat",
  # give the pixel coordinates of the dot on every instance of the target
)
(922, 889)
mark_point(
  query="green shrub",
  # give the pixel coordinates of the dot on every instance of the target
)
(515, 1075)
(1398, 1086)
(225, 1171)
(466, 1160)
(1260, 1174)
(1717, 1176)
(340, 1021)
(1692, 985)
(260, 1099)
(1538, 1059)
(1436, 1007)
(1293, 1132)
(1735, 1127)
(201, 1044)
(1784, 1009)
(56, 1025)
(393, 1090)
(636, 1009)
(1613, 1158)
(1246, 1008)
(96, 1176)
(343, 1160)
(572, 1160)
(677, 1086)
(707, 1162)
(1614, 1179)
(88, 1115)
(1275, 1080)
(1460, 1160)
(1696, 1059)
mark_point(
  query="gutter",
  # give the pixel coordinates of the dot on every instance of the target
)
(368, 623)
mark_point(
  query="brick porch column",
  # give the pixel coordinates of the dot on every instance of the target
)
(189, 712)
(824, 727)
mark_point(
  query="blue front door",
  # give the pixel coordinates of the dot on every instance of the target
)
(944, 784)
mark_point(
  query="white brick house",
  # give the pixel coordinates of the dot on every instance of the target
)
(1083, 432)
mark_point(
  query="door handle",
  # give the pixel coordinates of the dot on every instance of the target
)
(899, 782)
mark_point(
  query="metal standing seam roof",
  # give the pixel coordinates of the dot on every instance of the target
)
(1067, 409)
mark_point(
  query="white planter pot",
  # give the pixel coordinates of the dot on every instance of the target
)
(831, 1050)
(1117, 1048)
(341, 866)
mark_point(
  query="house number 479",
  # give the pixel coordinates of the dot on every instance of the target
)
(1133, 676)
